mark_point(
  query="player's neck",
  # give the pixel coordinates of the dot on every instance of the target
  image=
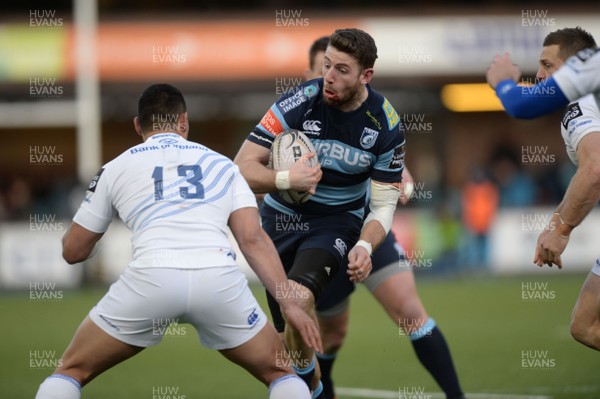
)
(146, 136)
(356, 101)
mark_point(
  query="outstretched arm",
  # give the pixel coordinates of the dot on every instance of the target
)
(252, 160)
(524, 102)
(527, 102)
(259, 251)
(581, 197)
(384, 198)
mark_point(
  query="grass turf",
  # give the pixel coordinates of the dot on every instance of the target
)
(486, 321)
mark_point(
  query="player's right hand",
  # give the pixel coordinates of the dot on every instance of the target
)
(303, 176)
(359, 264)
(299, 320)
(550, 245)
(502, 68)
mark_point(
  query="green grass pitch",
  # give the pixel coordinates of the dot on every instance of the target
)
(501, 344)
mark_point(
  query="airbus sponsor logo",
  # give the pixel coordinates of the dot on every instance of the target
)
(330, 152)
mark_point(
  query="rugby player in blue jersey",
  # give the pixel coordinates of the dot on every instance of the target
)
(360, 143)
(580, 129)
(392, 283)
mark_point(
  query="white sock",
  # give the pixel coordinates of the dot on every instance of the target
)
(59, 386)
(289, 387)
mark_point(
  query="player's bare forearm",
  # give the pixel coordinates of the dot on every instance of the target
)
(581, 197)
(78, 243)
(583, 192)
(252, 160)
(359, 257)
(373, 233)
(258, 249)
(260, 252)
(264, 261)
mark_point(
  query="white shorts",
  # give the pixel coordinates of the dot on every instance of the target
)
(596, 267)
(140, 306)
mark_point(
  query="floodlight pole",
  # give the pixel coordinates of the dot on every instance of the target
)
(87, 89)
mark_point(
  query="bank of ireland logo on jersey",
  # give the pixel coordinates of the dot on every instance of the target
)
(340, 246)
(368, 138)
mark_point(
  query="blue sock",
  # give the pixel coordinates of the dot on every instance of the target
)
(433, 353)
(326, 365)
(319, 393)
(307, 373)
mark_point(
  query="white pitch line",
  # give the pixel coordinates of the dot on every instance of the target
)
(379, 393)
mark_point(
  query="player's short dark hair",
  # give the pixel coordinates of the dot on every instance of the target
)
(319, 45)
(570, 41)
(161, 102)
(359, 44)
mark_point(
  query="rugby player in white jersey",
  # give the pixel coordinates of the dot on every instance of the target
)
(178, 198)
(580, 130)
(576, 78)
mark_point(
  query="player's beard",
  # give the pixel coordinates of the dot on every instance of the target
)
(347, 98)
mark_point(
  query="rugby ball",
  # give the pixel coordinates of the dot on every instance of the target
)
(288, 147)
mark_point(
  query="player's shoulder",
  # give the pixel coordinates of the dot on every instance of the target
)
(581, 118)
(581, 67)
(381, 111)
(589, 104)
(589, 58)
(300, 97)
(584, 108)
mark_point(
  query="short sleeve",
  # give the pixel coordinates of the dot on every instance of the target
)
(243, 197)
(96, 211)
(579, 76)
(581, 119)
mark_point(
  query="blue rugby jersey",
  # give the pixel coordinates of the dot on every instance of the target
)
(352, 147)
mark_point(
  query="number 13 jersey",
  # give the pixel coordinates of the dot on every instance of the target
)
(175, 196)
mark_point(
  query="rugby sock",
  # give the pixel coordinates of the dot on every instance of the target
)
(318, 393)
(288, 387)
(433, 353)
(326, 364)
(307, 373)
(59, 386)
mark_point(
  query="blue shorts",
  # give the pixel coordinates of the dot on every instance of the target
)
(293, 234)
(335, 297)
(335, 233)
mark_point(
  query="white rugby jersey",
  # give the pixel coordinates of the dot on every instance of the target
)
(582, 118)
(175, 196)
(580, 75)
